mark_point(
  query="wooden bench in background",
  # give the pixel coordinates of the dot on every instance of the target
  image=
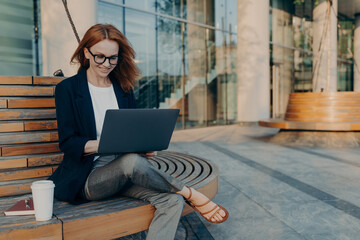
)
(333, 111)
(29, 152)
(319, 119)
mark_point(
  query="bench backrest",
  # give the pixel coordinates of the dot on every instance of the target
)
(28, 132)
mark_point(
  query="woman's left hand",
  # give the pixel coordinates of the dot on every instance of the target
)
(149, 155)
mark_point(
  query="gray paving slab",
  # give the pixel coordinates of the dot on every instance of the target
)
(278, 192)
(336, 178)
(248, 219)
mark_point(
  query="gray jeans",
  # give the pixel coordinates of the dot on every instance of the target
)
(134, 176)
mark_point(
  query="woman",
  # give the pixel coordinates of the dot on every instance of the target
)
(104, 81)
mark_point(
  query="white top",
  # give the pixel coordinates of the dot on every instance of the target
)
(103, 98)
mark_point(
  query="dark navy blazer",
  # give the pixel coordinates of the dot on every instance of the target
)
(76, 126)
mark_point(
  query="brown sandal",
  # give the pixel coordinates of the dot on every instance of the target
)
(195, 207)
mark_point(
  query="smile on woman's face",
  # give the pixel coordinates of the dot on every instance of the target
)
(107, 48)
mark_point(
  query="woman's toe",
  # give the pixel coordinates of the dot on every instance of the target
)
(222, 213)
(216, 217)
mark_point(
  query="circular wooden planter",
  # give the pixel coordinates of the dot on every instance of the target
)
(319, 120)
(324, 107)
(335, 111)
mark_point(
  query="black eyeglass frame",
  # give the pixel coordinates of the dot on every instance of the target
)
(95, 55)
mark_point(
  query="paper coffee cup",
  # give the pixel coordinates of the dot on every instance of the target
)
(43, 197)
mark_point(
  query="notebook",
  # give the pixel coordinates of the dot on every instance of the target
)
(137, 130)
(22, 207)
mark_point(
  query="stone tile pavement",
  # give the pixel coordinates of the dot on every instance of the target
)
(274, 191)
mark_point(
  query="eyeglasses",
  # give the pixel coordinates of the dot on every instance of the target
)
(100, 59)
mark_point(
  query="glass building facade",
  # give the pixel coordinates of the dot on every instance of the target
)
(186, 51)
(291, 48)
(19, 52)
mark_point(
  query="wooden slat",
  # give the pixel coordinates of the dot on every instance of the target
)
(316, 126)
(299, 118)
(31, 103)
(30, 149)
(3, 103)
(118, 224)
(54, 136)
(323, 99)
(51, 231)
(324, 94)
(40, 125)
(26, 91)
(13, 163)
(25, 173)
(11, 127)
(16, 80)
(27, 137)
(315, 106)
(47, 80)
(22, 114)
(272, 124)
(329, 101)
(321, 115)
(15, 189)
(44, 160)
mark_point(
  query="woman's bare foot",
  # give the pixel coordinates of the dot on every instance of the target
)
(208, 209)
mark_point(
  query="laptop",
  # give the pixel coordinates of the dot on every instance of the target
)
(137, 130)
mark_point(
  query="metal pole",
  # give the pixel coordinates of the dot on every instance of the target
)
(206, 35)
(157, 56)
(36, 38)
(226, 99)
(123, 23)
(206, 77)
(225, 67)
(274, 91)
(183, 66)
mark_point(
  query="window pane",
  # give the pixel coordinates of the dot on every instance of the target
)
(108, 13)
(226, 14)
(140, 31)
(148, 5)
(16, 37)
(171, 7)
(171, 64)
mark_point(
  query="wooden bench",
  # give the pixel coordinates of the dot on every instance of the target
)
(29, 152)
(334, 111)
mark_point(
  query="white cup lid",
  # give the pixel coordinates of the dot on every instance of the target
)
(43, 184)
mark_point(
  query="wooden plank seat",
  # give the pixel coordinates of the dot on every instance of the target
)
(121, 216)
(29, 151)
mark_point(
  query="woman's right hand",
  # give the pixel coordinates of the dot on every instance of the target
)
(91, 146)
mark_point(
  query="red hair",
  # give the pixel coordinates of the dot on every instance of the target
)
(126, 70)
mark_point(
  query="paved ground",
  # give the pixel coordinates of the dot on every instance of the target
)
(273, 191)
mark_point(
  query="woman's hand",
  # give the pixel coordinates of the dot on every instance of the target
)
(91, 147)
(149, 155)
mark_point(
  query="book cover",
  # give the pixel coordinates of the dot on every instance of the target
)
(22, 207)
